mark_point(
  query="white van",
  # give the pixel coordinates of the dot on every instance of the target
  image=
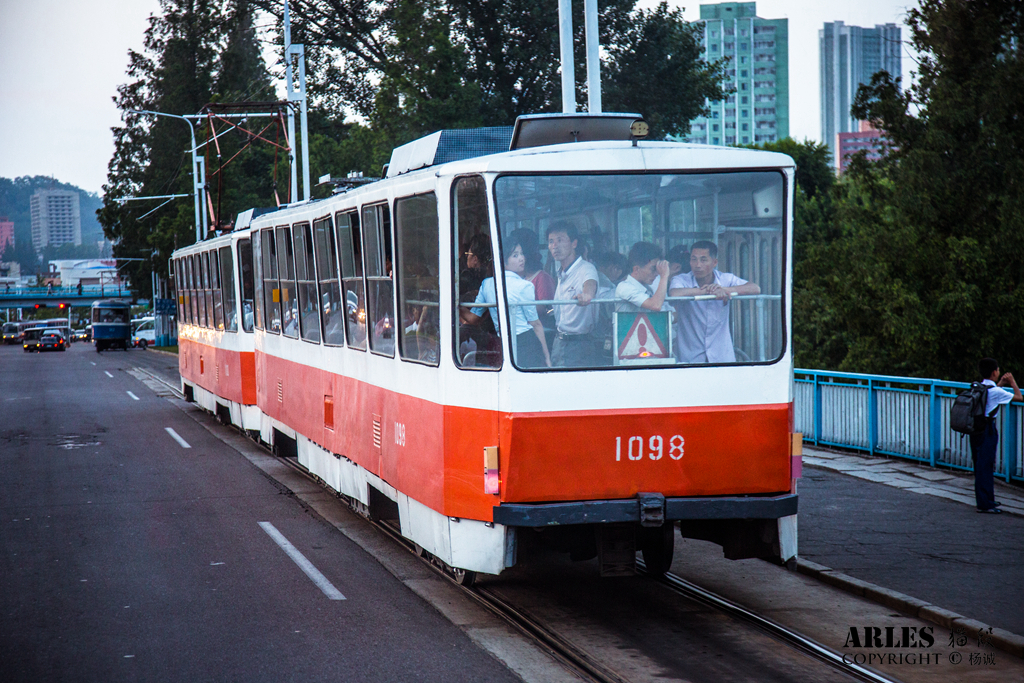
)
(143, 332)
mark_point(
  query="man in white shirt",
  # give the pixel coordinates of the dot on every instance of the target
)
(984, 443)
(638, 292)
(574, 345)
(703, 334)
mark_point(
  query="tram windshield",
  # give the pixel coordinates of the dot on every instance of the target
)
(583, 279)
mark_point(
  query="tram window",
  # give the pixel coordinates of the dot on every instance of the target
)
(202, 273)
(211, 320)
(208, 290)
(733, 221)
(258, 304)
(634, 224)
(331, 310)
(350, 251)
(193, 270)
(179, 298)
(419, 299)
(215, 290)
(379, 287)
(245, 282)
(286, 275)
(189, 294)
(305, 276)
(271, 285)
(227, 286)
(476, 344)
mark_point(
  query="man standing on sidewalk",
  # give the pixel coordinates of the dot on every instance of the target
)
(984, 443)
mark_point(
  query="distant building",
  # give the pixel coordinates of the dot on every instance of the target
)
(866, 138)
(72, 272)
(56, 218)
(850, 56)
(758, 70)
(6, 234)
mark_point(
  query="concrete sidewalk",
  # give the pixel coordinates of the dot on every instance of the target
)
(913, 477)
(908, 536)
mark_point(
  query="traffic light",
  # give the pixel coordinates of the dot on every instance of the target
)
(38, 306)
(62, 306)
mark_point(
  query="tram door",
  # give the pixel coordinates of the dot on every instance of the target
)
(476, 344)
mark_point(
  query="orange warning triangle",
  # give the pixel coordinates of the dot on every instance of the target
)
(641, 341)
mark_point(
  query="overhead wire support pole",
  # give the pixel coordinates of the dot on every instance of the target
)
(565, 45)
(198, 174)
(293, 193)
(300, 50)
(593, 58)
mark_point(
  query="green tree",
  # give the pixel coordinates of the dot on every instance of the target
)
(493, 60)
(814, 230)
(173, 75)
(941, 220)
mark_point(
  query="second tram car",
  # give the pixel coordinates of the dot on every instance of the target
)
(378, 337)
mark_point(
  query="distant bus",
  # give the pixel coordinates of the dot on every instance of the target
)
(14, 332)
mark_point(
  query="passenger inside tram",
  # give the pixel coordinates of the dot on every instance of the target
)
(646, 285)
(575, 343)
(534, 273)
(703, 328)
(479, 342)
(529, 347)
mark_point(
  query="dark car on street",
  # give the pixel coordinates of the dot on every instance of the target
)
(52, 341)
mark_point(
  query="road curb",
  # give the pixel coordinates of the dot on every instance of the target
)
(166, 353)
(999, 638)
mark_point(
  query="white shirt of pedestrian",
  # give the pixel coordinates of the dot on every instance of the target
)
(997, 396)
(703, 334)
(573, 318)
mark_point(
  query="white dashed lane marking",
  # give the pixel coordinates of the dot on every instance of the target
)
(108, 374)
(177, 437)
(133, 396)
(305, 565)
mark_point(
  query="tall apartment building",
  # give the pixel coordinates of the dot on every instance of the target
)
(56, 218)
(6, 233)
(758, 110)
(850, 56)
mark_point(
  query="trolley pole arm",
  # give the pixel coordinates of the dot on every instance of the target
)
(197, 182)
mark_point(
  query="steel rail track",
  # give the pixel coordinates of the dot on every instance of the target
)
(788, 636)
(564, 652)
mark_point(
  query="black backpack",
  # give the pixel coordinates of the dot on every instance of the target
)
(967, 415)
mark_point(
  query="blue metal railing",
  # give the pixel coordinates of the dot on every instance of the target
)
(62, 292)
(904, 417)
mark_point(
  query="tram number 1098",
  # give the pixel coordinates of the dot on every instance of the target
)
(655, 446)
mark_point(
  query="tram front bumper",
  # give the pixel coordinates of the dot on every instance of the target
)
(633, 510)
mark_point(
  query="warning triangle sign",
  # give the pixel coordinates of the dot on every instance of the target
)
(642, 341)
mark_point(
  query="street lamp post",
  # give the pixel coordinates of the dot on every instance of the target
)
(198, 171)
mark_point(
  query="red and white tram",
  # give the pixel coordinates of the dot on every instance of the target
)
(335, 331)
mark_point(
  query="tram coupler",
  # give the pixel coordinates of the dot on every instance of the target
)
(652, 509)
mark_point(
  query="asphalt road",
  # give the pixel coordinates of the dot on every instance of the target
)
(125, 556)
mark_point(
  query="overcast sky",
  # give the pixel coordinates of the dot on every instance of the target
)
(62, 60)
